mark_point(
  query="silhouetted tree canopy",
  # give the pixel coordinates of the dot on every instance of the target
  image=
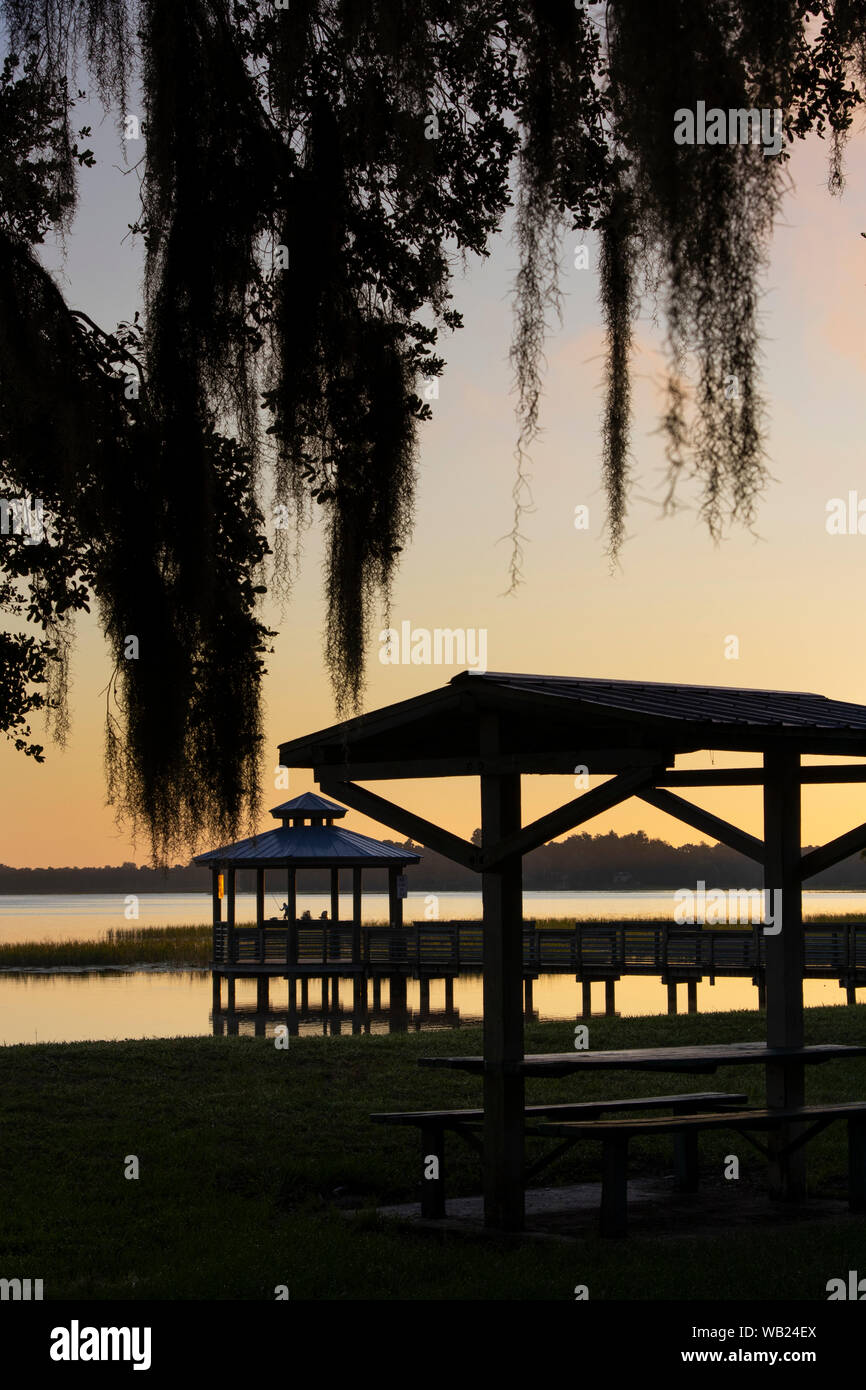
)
(311, 176)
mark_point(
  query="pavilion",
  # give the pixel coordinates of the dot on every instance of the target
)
(497, 727)
(306, 839)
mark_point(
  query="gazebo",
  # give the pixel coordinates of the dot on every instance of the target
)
(497, 727)
(286, 945)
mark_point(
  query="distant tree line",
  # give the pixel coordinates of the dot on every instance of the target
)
(587, 862)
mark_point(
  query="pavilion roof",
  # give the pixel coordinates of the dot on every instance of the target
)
(551, 723)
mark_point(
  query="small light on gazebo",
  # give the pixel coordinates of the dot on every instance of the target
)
(220, 887)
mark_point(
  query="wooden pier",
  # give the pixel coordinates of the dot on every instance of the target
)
(595, 952)
(626, 948)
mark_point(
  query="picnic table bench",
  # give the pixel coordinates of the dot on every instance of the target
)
(615, 1135)
(433, 1125)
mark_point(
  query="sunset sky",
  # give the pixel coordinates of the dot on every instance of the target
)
(793, 595)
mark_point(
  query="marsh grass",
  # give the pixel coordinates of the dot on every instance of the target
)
(182, 946)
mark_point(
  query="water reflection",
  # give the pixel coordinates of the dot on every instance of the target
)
(92, 1005)
(320, 1005)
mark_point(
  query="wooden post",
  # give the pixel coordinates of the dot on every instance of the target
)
(230, 914)
(692, 996)
(672, 996)
(262, 993)
(335, 895)
(785, 958)
(857, 1163)
(358, 991)
(397, 1001)
(586, 998)
(614, 1185)
(610, 997)
(356, 916)
(292, 920)
(216, 992)
(216, 903)
(503, 1000)
(260, 914)
(395, 902)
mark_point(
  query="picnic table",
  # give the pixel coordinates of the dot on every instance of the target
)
(791, 1127)
(702, 1058)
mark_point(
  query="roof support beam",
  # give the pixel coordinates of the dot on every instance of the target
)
(582, 808)
(398, 818)
(601, 760)
(704, 821)
(754, 776)
(714, 777)
(833, 852)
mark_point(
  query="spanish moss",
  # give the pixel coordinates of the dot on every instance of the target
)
(310, 177)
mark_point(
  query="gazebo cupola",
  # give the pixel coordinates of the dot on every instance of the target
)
(306, 838)
(317, 810)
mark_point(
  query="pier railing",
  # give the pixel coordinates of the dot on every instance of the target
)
(590, 950)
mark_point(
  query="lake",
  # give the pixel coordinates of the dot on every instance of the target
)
(80, 1005)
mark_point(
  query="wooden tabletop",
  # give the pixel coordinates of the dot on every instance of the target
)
(704, 1058)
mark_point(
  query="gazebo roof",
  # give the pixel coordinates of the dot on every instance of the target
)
(308, 846)
(548, 723)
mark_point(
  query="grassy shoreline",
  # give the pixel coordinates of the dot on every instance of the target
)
(189, 945)
(249, 1156)
(181, 946)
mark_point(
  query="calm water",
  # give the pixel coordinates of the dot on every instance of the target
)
(88, 916)
(160, 1003)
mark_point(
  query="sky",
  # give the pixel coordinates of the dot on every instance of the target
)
(792, 595)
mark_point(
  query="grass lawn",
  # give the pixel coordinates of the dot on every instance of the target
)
(247, 1152)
